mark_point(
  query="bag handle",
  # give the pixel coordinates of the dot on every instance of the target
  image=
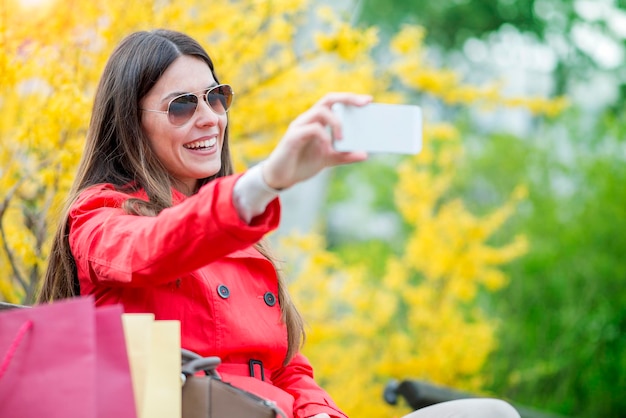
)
(208, 364)
(13, 347)
(192, 363)
(188, 355)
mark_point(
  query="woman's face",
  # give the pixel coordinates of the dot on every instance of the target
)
(191, 151)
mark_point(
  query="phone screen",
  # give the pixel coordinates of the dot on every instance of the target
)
(380, 128)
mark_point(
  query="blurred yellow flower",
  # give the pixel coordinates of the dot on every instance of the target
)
(414, 319)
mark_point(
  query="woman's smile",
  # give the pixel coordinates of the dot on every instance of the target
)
(202, 145)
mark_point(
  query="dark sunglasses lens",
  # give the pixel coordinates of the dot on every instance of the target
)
(220, 98)
(182, 109)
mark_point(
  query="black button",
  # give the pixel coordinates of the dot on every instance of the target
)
(223, 291)
(269, 298)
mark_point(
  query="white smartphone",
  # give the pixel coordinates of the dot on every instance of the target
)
(379, 128)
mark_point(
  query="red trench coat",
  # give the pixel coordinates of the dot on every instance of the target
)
(195, 263)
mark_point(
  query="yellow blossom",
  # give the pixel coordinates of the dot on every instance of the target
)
(414, 319)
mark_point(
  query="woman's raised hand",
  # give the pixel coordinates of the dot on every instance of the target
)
(306, 148)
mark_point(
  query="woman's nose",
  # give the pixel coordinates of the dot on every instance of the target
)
(206, 115)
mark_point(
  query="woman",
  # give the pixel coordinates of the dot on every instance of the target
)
(158, 222)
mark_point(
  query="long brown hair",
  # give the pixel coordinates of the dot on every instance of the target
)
(118, 152)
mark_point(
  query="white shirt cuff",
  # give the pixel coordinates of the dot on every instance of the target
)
(251, 194)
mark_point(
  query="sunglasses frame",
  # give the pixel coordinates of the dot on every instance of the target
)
(204, 96)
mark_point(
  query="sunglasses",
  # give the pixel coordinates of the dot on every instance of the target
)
(181, 108)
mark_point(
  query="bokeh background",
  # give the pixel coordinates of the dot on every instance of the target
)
(489, 263)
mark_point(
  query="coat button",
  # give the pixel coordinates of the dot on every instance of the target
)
(223, 291)
(269, 298)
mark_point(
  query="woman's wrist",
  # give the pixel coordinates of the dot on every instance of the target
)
(264, 183)
(272, 177)
(251, 194)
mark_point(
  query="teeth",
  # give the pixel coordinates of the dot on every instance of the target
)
(207, 143)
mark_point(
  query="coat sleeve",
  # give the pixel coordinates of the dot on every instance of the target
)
(310, 399)
(114, 248)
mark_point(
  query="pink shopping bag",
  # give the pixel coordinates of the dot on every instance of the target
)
(113, 378)
(65, 359)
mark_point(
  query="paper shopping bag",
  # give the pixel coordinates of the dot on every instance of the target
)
(155, 362)
(113, 380)
(138, 336)
(65, 359)
(48, 361)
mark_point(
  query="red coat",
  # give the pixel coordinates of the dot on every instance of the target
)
(195, 263)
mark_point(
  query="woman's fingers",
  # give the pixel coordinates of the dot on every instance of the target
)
(316, 115)
(307, 145)
(322, 112)
(352, 99)
(346, 98)
(340, 158)
(313, 133)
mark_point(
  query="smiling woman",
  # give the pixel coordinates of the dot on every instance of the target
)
(189, 140)
(158, 222)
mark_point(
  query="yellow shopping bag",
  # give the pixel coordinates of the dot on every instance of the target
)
(155, 364)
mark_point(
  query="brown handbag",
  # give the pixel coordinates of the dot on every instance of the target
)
(207, 396)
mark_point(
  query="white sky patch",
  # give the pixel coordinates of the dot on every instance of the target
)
(616, 22)
(604, 50)
(593, 10)
(510, 48)
(475, 50)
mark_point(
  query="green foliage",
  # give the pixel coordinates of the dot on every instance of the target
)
(452, 23)
(379, 173)
(563, 316)
(551, 22)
